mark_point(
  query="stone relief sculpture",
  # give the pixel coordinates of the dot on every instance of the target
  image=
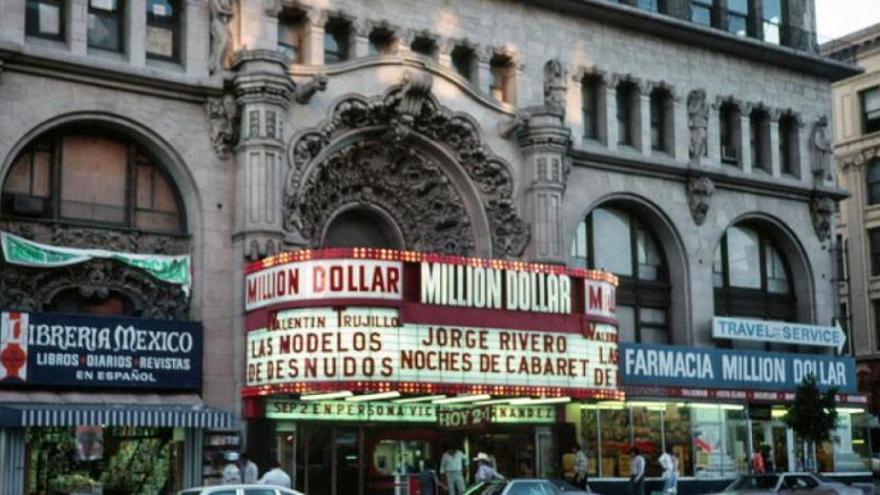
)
(221, 14)
(700, 191)
(386, 159)
(554, 84)
(822, 210)
(222, 113)
(698, 119)
(822, 151)
(304, 92)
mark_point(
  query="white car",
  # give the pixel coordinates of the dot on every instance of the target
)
(788, 484)
(239, 490)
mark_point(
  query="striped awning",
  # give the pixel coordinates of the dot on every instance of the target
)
(149, 411)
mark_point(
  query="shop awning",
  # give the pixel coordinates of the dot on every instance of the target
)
(23, 409)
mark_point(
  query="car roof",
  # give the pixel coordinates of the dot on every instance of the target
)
(209, 489)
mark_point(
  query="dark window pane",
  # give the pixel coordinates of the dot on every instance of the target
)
(590, 106)
(738, 6)
(737, 24)
(658, 117)
(874, 238)
(45, 18)
(424, 46)
(105, 24)
(788, 142)
(876, 304)
(624, 114)
(290, 37)
(701, 13)
(651, 5)
(873, 182)
(336, 42)
(463, 62)
(381, 41)
(870, 110)
(729, 123)
(163, 27)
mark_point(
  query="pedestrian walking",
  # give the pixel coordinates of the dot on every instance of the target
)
(275, 476)
(669, 463)
(637, 472)
(231, 473)
(757, 462)
(249, 471)
(485, 471)
(452, 466)
(580, 466)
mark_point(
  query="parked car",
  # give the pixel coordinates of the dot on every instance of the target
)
(788, 484)
(239, 490)
(525, 486)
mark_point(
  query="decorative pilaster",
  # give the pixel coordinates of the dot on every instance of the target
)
(775, 156)
(263, 91)
(744, 135)
(642, 118)
(545, 140)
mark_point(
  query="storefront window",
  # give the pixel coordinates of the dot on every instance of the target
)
(616, 442)
(93, 459)
(647, 436)
(737, 440)
(676, 427)
(590, 439)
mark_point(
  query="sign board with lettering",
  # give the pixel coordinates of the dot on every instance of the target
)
(710, 368)
(356, 318)
(80, 351)
(464, 418)
(284, 409)
(779, 332)
(356, 345)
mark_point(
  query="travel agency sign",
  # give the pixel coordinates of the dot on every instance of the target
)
(370, 319)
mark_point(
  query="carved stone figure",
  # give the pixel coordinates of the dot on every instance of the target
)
(272, 7)
(519, 121)
(222, 114)
(386, 160)
(822, 150)
(554, 84)
(304, 92)
(700, 191)
(698, 119)
(822, 210)
(221, 14)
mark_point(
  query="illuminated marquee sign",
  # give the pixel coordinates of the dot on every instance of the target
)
(369, 319)
(397, 413)
(321, 345)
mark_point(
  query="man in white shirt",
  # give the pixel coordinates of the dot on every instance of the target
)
(231, 473)
(637, 472)
(249, 471)
(276, 477)
(452, 464)
(669, 462)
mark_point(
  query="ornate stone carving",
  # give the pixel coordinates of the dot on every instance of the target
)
(700, 191)
(97, 238)
(860, 158)
(822, 211)
(374, 172)
(33, 289)
(222, 115)
(304, 93)
(272, 7)
(554, 84)
(221, 14)
(406, 110)
(821, 151)
(698, 119)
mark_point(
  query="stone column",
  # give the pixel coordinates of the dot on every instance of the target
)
(545, 141)
(484, 71)
(744, 135)
(263, 92)
(360, 39)
(136, 33)
(195, 49)
(313, 51)
(444, 52)
(12, 21)
(611, 134)
(642, 118)
(681, 130)
(77, 27)
(773, 142)
(713, 134)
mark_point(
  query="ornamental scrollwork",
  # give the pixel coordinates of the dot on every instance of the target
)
(394, 120)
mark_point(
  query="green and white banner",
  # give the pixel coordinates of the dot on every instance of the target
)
(20, 251)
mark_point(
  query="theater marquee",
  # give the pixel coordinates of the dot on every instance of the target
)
(366, 320)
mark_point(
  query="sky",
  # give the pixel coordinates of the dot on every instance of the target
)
(835, 18)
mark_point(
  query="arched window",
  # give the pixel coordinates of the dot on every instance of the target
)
(614, 239)
(873, 182)
(80, 177)
(751, 277)
(362, 228)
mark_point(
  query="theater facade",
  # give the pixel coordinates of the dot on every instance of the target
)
(409, 224)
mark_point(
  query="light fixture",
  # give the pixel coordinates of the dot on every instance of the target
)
(492, 402)
(326, 396)
(611, 404)
(376, 396)
(462, 398)
(778, 413)
(528, 401)
(424, 398)
(850, 410)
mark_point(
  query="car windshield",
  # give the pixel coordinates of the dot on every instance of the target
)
(762, 482)
(485, 488)
(191, 492)
(565, 485)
